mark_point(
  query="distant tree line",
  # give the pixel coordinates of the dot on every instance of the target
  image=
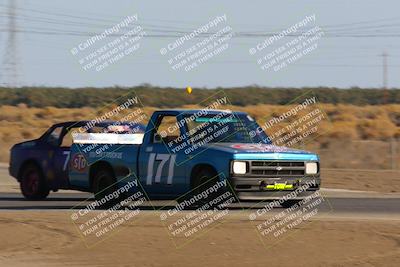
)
(174, 97)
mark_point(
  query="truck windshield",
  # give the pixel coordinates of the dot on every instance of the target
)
(225, 127)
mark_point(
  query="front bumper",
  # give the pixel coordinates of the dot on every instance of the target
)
(258, 188)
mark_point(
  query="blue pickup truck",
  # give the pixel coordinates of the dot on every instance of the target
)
(178, 151)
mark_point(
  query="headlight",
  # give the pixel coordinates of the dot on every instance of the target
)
(311, 168)
(239, 167)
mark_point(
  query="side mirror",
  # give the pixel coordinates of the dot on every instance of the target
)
(157, 138)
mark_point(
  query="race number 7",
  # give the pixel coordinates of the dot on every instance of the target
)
(68, 153)
(163, 158)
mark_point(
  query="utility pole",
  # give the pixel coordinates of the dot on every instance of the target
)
(385, 77)
(9, 68)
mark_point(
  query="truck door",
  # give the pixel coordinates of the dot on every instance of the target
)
(58, 157)
(160, 173)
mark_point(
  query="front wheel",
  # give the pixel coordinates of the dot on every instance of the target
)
(289, 203)
(207, 189)
(33, 184)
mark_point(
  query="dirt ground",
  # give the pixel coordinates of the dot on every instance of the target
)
(379, 181)
(49, 239)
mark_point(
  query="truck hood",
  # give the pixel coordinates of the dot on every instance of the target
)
(263, 151)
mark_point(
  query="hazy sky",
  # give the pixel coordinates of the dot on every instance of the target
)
(356, 33)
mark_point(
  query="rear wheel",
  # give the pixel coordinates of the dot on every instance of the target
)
(103, 187)
(33, 184)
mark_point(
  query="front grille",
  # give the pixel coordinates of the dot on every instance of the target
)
(277, 168)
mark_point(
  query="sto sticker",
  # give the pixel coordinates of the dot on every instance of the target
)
(79, 162)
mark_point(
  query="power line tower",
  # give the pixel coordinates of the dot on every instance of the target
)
(9, 68)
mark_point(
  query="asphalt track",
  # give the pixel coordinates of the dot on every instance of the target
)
(63, 201)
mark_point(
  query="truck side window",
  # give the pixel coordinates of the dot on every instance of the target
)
(54, 137)
(168, 129)
(68, 139)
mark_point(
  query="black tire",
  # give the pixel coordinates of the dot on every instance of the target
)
(290, 203)
(203, 180)
(33, 183)
(104, 184)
